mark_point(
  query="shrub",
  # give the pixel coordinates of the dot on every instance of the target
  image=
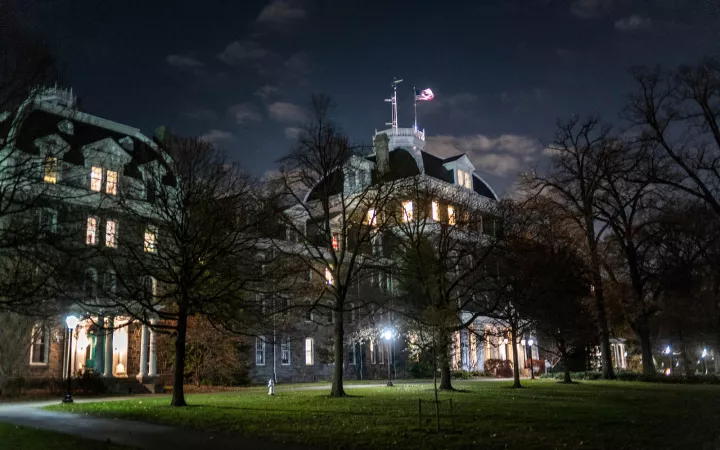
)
(500, 368)
(89, 382)
(461, 375)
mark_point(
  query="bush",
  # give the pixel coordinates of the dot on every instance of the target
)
(500, 368)
(461, 375)
(88, 382)
(420, 369)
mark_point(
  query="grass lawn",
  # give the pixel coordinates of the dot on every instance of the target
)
(601, 415)
(28, 438)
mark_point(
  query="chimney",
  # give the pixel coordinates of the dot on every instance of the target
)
(382, 155)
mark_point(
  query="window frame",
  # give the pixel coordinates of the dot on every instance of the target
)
(96, 184)
(407, 211)
(114, 234)
(435, 208)
(309, 351)
(44, 332)
(285, 350)
(150, 246)
(260, 350)
(91, 237)
(50, 177)
(114, 183)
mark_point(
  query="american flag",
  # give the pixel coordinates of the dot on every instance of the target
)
(425, 94)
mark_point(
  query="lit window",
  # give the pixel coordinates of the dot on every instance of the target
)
(96, 174)
(39, 348)
(435, 211)
(407, 211)
(373, 354)
(451, 215)
(335, 244)
(260, 351)
(150, 241)
(381, 354)
(371, 216)
(285, 352)
(309, 352)
(464, 179)
(50, 172)
(328, 276)
(111, 179)
(468, 180)
(91, 233)
(111, 233)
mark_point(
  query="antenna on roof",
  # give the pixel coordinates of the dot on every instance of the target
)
(393, 100)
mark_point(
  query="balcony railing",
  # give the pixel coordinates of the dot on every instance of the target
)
(403, 132)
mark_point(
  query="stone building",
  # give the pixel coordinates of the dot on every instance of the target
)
(75, 167)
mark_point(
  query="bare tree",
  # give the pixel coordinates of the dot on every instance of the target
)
(442, 239)
(332, 209)
(190, 228)
(574, 182)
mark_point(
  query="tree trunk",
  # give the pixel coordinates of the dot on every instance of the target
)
(178, 397)
(337, 389)
(607, 368)
(646, 345)
(445, 375)
(566, 366)
(516, 368)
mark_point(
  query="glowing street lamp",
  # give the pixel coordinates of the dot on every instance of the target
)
(532, 372)
(388, 335)
(71, 322)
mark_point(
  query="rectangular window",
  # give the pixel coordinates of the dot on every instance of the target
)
(407, 211)
(435, 211)
(309, 352)
(451, 215)
(371, 216)
(328, 276)
(110, 283)
(353, 354)
(381, 353)
(111, 181)
(91, 233)
(464, 179)
(335, 242)
(96, 174)
(39, 348)
(285, 352)
(260, 351)
(48, 221)
(50, 169)
(373, 354)
(150, 238)
(111, 233)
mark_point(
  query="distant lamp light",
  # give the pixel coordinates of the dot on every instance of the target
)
(387, 334)
(505, 341)
(531, 342)
(704, 352)
(71, 322)
(667, 350)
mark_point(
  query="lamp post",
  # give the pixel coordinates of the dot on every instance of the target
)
(532, 372)
(71, 322)
(388, 335)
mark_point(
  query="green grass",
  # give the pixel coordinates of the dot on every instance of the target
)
(28, 438)
(600, 415)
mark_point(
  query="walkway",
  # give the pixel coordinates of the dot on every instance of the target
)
(143, 435)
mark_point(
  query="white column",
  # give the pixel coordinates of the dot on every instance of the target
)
(153, 365)
(143, 352)
(622, 356)
(109, 347)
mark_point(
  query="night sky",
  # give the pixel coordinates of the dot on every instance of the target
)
(240, 72)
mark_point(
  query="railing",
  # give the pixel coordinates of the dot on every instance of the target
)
(403, 132)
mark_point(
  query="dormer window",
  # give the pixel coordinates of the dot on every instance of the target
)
(464, 178)
(111, 180)
(407, 211)
(96, 174)
(50, 171)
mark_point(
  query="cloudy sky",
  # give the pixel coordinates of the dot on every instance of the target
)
(240, 73)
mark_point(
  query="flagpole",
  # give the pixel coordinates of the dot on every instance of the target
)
(415, 104)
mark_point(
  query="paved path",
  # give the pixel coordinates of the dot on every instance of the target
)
(144, 435)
